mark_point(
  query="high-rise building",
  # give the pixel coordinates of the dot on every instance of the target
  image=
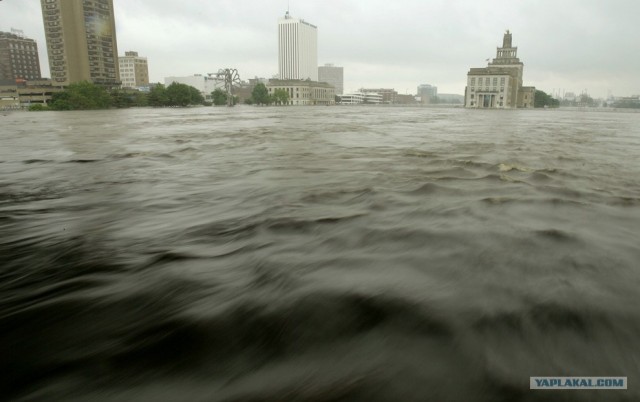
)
(333, 76)
(428, 93)
(134, 70)
(499, 85)
(81, 41)
(18, 57)
(297, 49)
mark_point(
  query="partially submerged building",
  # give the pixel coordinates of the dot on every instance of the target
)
(304, 92)
(499, 85)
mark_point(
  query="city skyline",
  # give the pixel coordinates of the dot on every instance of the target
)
(582, 46)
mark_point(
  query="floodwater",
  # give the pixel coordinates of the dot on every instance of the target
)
(318, 254)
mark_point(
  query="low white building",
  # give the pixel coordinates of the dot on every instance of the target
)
(356, 98)
(202, 83)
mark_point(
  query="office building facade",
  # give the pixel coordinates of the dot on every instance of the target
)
(304, 92)
(18, 57)
(81, 41)
(134, 70)
(297, 49)
(499, 85)
(333, 76)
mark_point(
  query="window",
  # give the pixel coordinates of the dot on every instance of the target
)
(473, 81)
(495, 81)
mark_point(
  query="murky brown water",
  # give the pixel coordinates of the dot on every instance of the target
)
(321, 254)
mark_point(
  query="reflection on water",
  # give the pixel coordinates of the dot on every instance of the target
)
(323, 254)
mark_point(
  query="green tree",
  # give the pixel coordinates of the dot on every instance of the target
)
(141, 99)
(219, 97)
(281, 97)
(158, 96)
(122, 99)
(81, 96)
(178, 95)
(38, 107)
(196, 96)
(260, 94)
(628, 103)
(542, 99)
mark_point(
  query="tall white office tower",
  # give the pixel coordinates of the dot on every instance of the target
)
(297, 49)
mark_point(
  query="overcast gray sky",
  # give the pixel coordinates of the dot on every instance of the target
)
(566, 45)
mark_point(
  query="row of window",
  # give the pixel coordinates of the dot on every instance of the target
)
(23, 57)
(487, 81)
(473, 104)
(494, 89)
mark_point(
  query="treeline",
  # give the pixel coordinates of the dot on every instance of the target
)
(260, 96)
(627, 103)
(89, 96)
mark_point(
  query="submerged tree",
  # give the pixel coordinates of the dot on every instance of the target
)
(81, 96)
(219, 97)
(157, 96)
(175, 94)
(542, 99)
(260, 94)
(281, 97)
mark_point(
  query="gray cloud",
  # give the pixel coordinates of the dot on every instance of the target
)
(569, 45)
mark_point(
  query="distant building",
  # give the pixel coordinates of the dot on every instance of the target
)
(428, 93)
(305, 92)
(403, 99)
(388, 94)
(499, 85)
(357, 98)
(134, 70)
(333, 76)
(451, 99)
(18, 57)
(81, 41)
(15, 95)
(297, 49)
(202, 83)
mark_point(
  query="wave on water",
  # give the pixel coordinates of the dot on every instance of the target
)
(265, 254)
